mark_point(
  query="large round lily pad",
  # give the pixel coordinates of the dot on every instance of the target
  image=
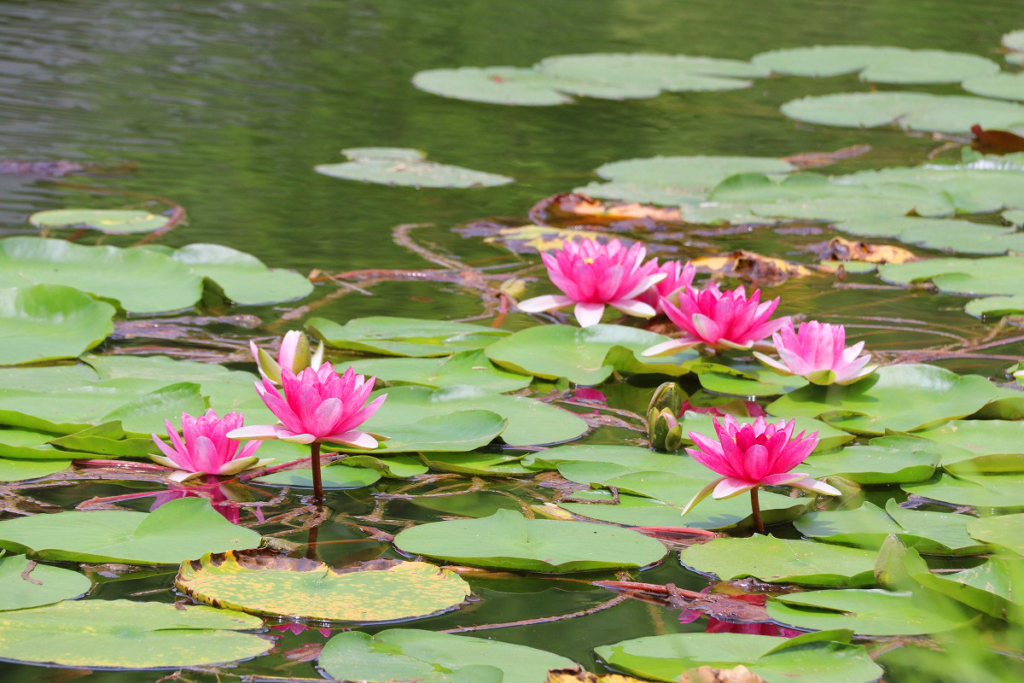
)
(826, 657)
(508, 540)
(120, 634)
(180, 530)
(110, 221)
(899, 398)
(430, 657)
(23, 585)
(406, 167)
(283, 586)
(781, 560)
(48, 322)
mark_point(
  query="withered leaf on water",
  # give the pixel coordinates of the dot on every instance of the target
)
(752, 267)
(706, 674)
(816, 159)
(573, 208)
(578, 675)
(996, 141)
(839, 249)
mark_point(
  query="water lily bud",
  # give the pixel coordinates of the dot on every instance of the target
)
(669, 395)
(660, 423)
(267, 365)
(294, 352)
(674, 439)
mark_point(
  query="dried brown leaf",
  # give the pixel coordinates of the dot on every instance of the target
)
(816, 159)
(839, 249)
(580, 676)
(569, 208)
(752, 267)
(706, 674)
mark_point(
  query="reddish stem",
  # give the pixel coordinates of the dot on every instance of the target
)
(654, 530)
(318, 486)
(756, 507)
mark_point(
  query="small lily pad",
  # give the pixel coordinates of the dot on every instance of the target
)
(408, 168)
(468, 368)
(1002, 86)
(382, 590)
(780, 560)
(22, 585)
(391, 336)
(508, 540)
(111, 222)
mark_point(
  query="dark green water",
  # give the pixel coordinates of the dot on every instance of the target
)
(225, 107)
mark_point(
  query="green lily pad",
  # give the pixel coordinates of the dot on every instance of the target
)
(866, 612)
(874, 465)
(781, 560)
(529, 421)
(181, 530)
(242, 278)
(682, 176)
(901, 398)
(987, 491)
(120, 634)
(108, 439)
(948, 234)
(469, 368)
(1002, 86)
(876, 64)
(829, 437)
(382, 590)
(406, 167)
(664, 72)
(584, 356)
(826, 657)
(392, 466)
(24, 444)
(1002, 530)
(457, 431)
(910, 110)
(430, 657)
(336, 476)
(49, 322)
(46, 378)
(732, 513)
(747, 380)
(22, 470)
(977, 277)
(508, 540)
(24, 586)
(995, 587)
(391, 336)
(931, 533)
(481, 463)
(109, 221)
(983, 445)
(494, 85)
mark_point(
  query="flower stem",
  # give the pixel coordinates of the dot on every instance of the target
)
(756, 507)
(318, 486)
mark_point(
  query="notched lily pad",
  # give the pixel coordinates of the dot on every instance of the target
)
(298, 588)
(406, 167)
(50, 322)
(23, 583)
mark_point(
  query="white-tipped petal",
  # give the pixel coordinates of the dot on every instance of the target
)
(543, 304)
(729, 488)
(236, 466)
(772, 364)
(669, 348)
(354, 439)
(261, 432)
(181, 475)
(864, 372)
(815, 486)
(700, 495)
(635, 308)
(166, 462)
(588, 315)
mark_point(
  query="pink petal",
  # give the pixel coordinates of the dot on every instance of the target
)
(355, 439)
(636, 308)
(261, 432)
(700, 495)
(669, 348)
(587, 314)
(325, 416)
(543, 304)
(728, 488)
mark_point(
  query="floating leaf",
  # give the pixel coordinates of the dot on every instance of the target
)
(457, 431)
(111, 222)
(949, 234)
(687, 176)
(495, 85)
(991, 491)
(469, 368)
(23, 585)
(826, 657)
(393, 467)
(283, 586)
(529, 421)
(866, 612)
(180, 530)
(876, 64)
(404, 336)
(430, 657)
(900, 398)
(49, 322)
(1003, 531)
(241, 277)
(584, 356)
(874, 465)
(746, 380)
(489, 464)
(508, 540)
(336, 476)
(780, 560)
(1003, 86)
(911, 110)
(995, 587)
(407, 168)
(662, 72)
(933, 533)
(21, 470)
(983, 445)
(120, 634)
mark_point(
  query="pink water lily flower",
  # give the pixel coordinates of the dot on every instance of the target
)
(594, 275)
(677, 276)
(749, 456)
(205, 448)
(722, 321)
(318, 406)
(293, 354)
(818, 352)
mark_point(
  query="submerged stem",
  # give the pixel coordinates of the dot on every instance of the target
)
(756, 507)
(318, 486)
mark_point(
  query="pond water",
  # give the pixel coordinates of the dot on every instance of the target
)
(225, 107)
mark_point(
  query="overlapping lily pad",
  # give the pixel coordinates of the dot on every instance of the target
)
(508, 540)
(585, 356)
(780, 560)
(242, 278)
(412, 337)
(468, 368)
(30, 585)
(1002, 530)
(338, 476)
(995, 587)
(826, 657)
(407, 167)
(180, 530)
(109, 221)
(412, 654)
(874, 465)
(281, 586)
(49, 322)
(901, 398)
(866, 612)
(984, 491)
(22, 470)
(953, 235)
(980, 445)
(877, 64)
(120, 634)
